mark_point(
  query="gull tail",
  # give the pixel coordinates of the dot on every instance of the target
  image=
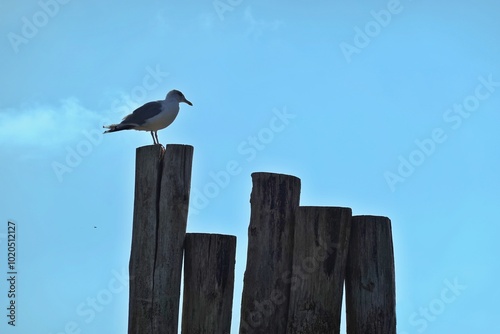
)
(118, 127)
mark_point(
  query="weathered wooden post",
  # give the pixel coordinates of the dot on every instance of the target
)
(160, 215)
(370, 278)
(319, 258)
(274, 200)
(208, 283)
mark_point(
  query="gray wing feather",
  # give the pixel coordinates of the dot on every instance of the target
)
(141, 114)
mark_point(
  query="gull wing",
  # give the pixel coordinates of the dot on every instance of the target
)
(141, 114)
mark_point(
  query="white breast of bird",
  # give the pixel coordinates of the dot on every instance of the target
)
(169, 112)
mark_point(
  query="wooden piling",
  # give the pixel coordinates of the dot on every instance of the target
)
(297, 260)
(319, 258)
(160, 215)
(266, 291)
(208, 283)
(370, 278)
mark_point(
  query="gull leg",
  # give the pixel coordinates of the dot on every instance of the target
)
(154, 141)
(156, 135)
(158, 141)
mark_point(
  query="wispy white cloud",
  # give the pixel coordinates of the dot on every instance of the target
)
(45, 126)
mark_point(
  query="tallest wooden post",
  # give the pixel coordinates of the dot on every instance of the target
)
(162, 185)
(266, 290)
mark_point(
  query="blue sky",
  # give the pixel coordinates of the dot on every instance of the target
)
(391, 108)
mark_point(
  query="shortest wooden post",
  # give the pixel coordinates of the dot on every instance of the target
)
(208, 283)
(370, 278)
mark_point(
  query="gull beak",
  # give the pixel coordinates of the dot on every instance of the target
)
(188, 102)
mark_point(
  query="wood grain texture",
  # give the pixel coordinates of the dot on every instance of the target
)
(208, 283)
(160, 216)
(319, 258)
(370, 278)
(274, 200)
(172, 222)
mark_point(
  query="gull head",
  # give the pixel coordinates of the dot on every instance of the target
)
(178, 96)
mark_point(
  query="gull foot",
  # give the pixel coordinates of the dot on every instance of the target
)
(162, 151)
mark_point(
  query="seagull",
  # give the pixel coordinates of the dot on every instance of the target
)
(152, 116)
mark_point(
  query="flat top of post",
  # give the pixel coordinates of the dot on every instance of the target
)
(325, 207)
(158, 149)
(269, 174)
(372, 217)
(211, 235)
(168, 146)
